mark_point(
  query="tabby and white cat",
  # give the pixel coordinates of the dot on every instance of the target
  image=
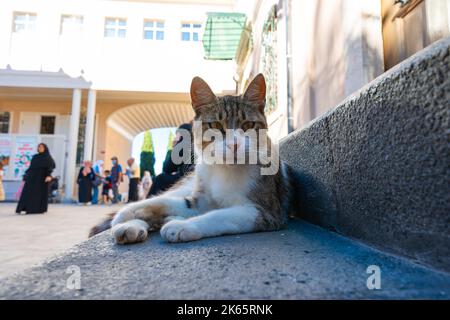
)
(217, 199)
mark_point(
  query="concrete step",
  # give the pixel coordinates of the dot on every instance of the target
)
(302, 262)
(376, 168)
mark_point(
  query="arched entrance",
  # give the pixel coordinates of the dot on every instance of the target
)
(136, 118)
(124, 124)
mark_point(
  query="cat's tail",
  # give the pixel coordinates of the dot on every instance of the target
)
(105, 224)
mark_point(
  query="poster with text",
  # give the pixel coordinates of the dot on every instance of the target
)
(5, 153)
(25, 149)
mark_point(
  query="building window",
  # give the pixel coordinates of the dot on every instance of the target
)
(47, 125)
(190, 31)
(71, 24)
(153, 30)
(24, 22)
(5, 118)
(115, 28)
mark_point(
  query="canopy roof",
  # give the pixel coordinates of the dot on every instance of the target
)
(222, 35)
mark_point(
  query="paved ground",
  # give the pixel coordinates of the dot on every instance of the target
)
(301, 262)
(28, 239)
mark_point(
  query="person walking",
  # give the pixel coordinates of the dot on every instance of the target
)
(133, 173)
(116, 178)
(98, 171)
(34, 196)
(85, 181)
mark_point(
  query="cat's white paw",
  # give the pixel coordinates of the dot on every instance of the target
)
(124, 214)
(180, 231)
(132, 231)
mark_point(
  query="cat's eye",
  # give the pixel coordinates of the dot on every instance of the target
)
(248, 125)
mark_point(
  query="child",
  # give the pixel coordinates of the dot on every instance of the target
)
(107, 185)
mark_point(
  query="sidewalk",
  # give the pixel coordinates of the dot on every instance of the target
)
(29, 239)
(301, 262)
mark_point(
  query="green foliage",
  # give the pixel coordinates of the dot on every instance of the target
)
(147, 163)
(171, 137)
(147, 155)
(147, 145)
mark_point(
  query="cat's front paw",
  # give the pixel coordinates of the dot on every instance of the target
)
(180, 231)
(132, 231)
(124, 214)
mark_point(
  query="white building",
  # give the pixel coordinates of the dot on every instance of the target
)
(117, 68)
(107, 69)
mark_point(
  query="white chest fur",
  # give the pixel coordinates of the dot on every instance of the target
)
(227, 186)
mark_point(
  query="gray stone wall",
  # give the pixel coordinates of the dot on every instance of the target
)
(377, 167)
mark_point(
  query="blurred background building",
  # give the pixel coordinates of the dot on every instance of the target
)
(88, 76)
(316, 53)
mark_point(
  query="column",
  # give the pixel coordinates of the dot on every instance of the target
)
(73, 141)
(90, 121)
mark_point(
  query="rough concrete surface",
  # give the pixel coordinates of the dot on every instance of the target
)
(376, 168)
(301, 262)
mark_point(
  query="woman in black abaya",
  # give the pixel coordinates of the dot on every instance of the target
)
(86, 177)
(34, 196)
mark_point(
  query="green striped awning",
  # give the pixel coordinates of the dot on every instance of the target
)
(222, 34)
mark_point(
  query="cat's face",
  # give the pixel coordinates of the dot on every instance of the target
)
(234, 122)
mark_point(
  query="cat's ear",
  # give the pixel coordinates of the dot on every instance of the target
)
(256, 92)
(201, 94)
